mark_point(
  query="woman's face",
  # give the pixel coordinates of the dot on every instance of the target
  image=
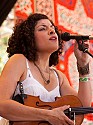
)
(45, 36)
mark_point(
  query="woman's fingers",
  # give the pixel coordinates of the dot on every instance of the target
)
(60, 118)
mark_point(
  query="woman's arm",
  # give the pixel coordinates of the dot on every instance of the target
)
(84, 91)
(9, 109)
(83, 60)
(14, 69)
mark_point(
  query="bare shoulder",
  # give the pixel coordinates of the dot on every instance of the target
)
(17, 58)
(59, 72)
(60, 75)
(65, 87)
(15, 64)
(11, 74)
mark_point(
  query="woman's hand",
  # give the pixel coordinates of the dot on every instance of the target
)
(57, 116)
(82, 58)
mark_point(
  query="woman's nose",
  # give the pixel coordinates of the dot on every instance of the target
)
(51, 31)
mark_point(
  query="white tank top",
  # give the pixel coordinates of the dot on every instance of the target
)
(32, 87)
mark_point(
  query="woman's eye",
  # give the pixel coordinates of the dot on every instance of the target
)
(42, 29)
(53, 27)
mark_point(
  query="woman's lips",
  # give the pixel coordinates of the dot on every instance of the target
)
(53, 38)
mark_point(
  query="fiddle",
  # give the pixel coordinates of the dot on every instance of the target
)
(76, 108)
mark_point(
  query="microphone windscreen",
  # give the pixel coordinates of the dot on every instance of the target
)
(65, 36)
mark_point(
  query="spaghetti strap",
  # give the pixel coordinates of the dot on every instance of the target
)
(57, 76)
(27, 64)
(29, 74)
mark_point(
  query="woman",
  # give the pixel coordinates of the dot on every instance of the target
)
(33, 49)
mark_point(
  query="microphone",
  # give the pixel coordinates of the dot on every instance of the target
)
(67, 36)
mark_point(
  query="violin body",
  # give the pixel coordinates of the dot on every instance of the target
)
(34, 101)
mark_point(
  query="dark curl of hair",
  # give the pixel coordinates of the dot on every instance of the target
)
(22, 40)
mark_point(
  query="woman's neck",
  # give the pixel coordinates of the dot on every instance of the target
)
(43, 64)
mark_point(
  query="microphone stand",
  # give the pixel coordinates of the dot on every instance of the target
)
(83, 48)
(86, 51)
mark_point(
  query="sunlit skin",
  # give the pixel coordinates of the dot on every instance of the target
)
(46, 37)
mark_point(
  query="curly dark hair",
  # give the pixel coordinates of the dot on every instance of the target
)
(22, 40)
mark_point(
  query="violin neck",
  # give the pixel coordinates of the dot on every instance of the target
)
(79, 110)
